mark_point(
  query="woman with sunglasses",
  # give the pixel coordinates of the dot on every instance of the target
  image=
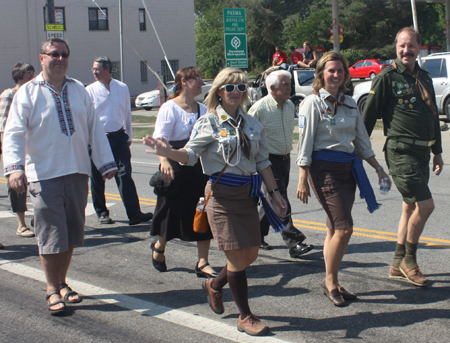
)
(226, 136)
(174, 213)
(331, 128)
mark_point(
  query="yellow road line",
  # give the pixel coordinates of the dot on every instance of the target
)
(382, 235)
(390, 236)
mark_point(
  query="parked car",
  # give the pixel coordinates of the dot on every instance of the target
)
(367, 69)
(438, 65)
(149, 100)
(302, 79)
(360, 93)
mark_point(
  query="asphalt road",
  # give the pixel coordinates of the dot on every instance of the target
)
(127, 300)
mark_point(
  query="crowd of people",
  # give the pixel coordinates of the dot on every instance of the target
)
(238, 161)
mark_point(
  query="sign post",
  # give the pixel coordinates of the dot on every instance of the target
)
(235, 37)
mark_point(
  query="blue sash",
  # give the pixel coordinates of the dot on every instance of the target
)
(358, 171)
(256, 182)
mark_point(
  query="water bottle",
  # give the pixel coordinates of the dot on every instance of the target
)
(384, 186)
(200, 204)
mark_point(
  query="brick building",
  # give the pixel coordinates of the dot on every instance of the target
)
(91, 32)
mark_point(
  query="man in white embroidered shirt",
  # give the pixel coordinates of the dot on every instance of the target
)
(50, 125)
(111, 99)
(276, 113)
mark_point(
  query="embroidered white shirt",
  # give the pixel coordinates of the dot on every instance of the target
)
(113, 106)
(50, 133)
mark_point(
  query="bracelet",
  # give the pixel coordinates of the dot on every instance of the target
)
(379, 168)
(273, 191)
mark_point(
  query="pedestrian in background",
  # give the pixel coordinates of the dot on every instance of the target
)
(227, 137)
(330, 129)
(174, 213)
(111, 99)
(21, 74)
(403, 94)
(50, 126)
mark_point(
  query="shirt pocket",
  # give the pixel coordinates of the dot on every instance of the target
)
(254, 138)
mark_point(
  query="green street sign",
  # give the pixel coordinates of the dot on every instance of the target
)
(235, 46)
(241, 64)
(234, 20)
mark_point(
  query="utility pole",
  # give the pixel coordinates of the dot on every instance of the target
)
(50, 12)
(121, 40)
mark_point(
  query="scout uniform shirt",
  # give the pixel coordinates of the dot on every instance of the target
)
(213, 138)
(405, 114)
(319, 129)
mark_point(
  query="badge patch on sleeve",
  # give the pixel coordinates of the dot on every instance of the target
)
(301, 121)
(372, 91)
(193, 134)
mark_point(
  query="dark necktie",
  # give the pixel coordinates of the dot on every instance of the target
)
(337, 103)
(245, 142)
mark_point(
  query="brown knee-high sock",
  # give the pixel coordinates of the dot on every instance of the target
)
(410, 257)
(239, 290)
(399, 254)
(221, 280)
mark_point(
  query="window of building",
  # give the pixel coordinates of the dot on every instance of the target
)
(165, 71)
(60, 17)
(144, 76)
(98, 18)
(142, 26)
(115, 70)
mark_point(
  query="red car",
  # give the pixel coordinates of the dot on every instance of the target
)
(367, 69)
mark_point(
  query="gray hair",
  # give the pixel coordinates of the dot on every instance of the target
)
(274, 80)
(105, 61)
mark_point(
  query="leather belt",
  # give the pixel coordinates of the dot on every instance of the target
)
(281, 157)
(112, 134)
(415, 141)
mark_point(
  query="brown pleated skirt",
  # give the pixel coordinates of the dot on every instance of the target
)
(233, 217)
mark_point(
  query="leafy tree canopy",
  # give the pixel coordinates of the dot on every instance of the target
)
(369, 28)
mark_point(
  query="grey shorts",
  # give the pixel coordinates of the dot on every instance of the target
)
(59, 212)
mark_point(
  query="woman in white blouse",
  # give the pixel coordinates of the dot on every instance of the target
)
(330, 128)
(174, 213)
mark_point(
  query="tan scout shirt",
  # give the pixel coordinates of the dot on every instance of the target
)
(316, 131)
(207, 143)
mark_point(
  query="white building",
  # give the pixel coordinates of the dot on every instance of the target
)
(89, 34)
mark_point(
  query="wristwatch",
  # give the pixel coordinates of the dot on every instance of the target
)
(273, 191)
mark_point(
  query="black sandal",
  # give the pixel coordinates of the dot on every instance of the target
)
(58, 311)
(161, 266)
(200, 273)
(70, 293)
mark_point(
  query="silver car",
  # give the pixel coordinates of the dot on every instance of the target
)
(149, 100)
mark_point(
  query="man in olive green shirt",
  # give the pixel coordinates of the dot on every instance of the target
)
(403, 93)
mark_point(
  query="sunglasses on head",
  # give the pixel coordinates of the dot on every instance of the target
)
(56, 55)
(242, 87)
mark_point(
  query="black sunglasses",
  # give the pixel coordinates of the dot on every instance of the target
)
(242, 87)
(56, 55)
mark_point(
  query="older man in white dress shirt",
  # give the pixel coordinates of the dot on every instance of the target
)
(111, 99)
(50, 125)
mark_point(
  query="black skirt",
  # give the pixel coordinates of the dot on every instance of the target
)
(174, 215)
